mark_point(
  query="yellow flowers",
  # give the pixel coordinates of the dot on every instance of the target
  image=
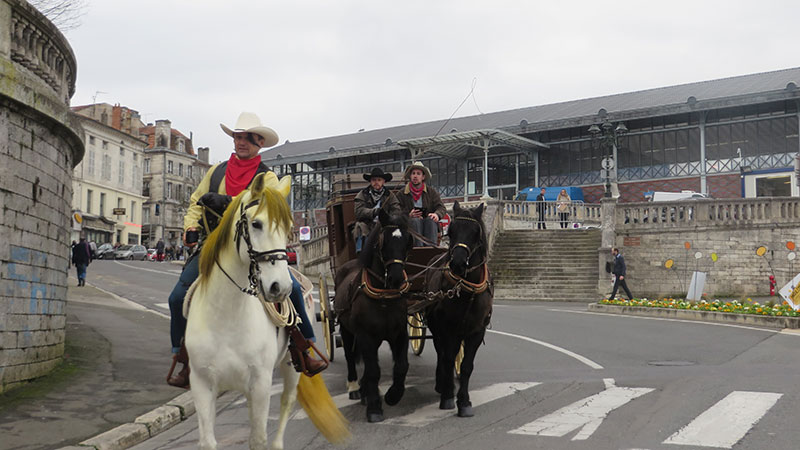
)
(731, 306)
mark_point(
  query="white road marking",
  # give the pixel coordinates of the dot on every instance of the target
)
(175, 273)
(163, 305)
(130, 303)
(726, 423)
(586, 414)
(665, 319)
(580, 358)
(431, 413)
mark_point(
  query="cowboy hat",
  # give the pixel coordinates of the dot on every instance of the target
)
(417, 165)
(250, 123)
(378, 172)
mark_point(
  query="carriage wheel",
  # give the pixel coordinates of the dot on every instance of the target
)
(326, 317)
(459, 358)
(416, 329)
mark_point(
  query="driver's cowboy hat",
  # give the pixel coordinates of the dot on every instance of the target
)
(417, 165)
(250, 123)
(378, 172)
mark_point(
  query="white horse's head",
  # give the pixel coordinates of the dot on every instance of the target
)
(255, 227)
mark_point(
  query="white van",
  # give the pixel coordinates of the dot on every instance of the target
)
(673, 196)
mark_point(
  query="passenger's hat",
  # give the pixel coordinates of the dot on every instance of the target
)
(378, 172)
(420, 166)
(250, 123)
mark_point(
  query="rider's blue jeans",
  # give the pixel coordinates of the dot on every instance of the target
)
(189, 274)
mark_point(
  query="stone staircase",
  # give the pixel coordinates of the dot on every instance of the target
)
(546, 265)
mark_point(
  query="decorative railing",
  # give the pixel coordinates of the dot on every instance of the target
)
(37, 45)
(579, 212)
(707, 212)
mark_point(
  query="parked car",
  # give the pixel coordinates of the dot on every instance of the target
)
(131, 252)
(291, 252)
(151, 254)
(105, 251)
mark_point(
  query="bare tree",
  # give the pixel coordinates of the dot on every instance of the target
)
(65, 14)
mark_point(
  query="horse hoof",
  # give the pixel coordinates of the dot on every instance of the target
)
(465, 411)
(374, 417)
(393, 395)
(354, 395)
(447, 403)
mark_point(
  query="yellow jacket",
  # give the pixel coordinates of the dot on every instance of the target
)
(194, 215)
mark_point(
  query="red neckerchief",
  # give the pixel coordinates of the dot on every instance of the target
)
(239, 173)
(416, 193)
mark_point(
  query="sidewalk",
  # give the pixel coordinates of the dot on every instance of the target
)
(115, 364)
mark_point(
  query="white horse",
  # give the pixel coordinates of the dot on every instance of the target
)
(232, 343)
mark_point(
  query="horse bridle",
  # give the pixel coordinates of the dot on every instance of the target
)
(470, 252)
(377, 293)
(256, 257)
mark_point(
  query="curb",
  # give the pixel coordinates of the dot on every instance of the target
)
(143, 427)
(705, 316)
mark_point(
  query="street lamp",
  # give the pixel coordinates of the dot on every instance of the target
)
(607, 135)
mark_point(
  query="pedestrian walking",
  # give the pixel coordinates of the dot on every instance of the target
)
(160, 250)
(541, 208)
(619, 274)
(81, 257)
(563, 201)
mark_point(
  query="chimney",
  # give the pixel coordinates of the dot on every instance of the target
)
(202, 154)
(163, 133)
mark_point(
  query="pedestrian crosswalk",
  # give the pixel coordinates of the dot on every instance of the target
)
(721, 425)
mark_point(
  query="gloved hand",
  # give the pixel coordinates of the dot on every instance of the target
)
(216, 202)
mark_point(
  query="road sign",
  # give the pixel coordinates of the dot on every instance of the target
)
(607, 163)
(305, 234)
(118, 211)
(445, 221)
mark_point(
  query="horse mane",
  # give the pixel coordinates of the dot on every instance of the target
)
(482, 242)
(270, 200)
(368, 249)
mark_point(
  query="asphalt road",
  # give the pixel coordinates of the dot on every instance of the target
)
(551, 376)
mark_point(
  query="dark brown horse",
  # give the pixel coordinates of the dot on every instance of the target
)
(463, 318)
(370, 304)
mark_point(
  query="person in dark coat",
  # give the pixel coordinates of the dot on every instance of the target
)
(369, 202)
(160, 250)
(541, 208)
(422, 203)
(81, 257)
(619, 274)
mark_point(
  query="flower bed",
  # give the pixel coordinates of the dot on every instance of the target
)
(732, 306)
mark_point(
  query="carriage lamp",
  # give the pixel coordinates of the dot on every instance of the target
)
(607, 135)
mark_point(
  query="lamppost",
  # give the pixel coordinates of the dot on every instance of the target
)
(607, 135)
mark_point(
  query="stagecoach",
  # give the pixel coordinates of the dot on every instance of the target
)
(340, 215)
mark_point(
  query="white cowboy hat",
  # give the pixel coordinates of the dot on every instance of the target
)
(250, 123)
(420, 166)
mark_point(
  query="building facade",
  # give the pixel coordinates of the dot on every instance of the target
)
(171, 172)
(107, 184)
(729, 138)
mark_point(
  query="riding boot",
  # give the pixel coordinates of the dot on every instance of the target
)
(301, 359)
(181, 379)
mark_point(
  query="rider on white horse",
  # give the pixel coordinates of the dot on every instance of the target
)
(215, 192)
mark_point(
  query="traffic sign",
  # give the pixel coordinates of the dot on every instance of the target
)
(305, 234)
(607, 163)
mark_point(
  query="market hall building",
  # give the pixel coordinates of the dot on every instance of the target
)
(729, 138)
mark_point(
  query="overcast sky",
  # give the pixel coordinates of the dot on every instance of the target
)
(312, 69)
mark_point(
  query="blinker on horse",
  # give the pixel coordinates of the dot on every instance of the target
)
(370, 303)
(234, 336)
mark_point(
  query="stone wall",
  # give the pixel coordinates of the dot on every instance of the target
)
(40, 143)
(732, 230)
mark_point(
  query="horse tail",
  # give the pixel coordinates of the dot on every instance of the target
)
(315, 399)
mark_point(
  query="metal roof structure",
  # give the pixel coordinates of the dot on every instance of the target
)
(698, 96)
(468, 143)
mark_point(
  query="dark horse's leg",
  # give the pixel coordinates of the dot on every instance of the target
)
(446, 349)
(368, 347)
(400, 356)
(471, 344)
(351, 355)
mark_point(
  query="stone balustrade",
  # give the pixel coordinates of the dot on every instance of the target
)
(35, 43)
(707, 213)
(579, 212)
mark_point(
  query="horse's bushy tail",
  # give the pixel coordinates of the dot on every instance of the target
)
(315, 399)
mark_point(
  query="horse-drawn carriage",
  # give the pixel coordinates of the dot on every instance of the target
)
(394, 279)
